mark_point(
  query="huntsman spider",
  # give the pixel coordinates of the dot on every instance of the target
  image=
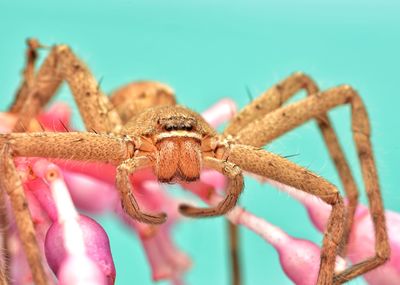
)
(145, 128)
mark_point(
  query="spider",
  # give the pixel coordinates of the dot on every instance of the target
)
(141, 126)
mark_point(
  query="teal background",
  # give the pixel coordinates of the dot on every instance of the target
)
(208, 50)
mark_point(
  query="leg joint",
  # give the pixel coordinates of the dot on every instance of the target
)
(231, 170)
(122, 167)
(382, 257)
(334, 197)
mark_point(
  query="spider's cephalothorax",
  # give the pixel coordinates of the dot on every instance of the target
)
(172, 137)
(177, 143)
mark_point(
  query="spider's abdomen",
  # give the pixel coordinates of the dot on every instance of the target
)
(178, 158)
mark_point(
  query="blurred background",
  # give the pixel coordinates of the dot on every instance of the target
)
(207, 50)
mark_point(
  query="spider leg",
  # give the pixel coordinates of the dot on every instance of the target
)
(12, 184)
(84, 146)
(129, 203)
(97, 112)
(235, 187)
(269, 165)
(267, 102)
(28, 76)
(5, 250)
(270, 100)
(286, 118)
(273, 99)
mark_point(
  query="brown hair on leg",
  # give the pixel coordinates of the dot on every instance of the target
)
(11, 182)
(291, 116)
(272, 166)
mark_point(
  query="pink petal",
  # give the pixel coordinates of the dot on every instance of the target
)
(89, 272)
(220, 112)
(96, 242)
(83, 188)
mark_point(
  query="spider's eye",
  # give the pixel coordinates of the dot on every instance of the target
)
(188, 128)
(169, 128)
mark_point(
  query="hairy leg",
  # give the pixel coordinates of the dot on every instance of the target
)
(273, 99)
(4, 250)
(124, 186)
(269, 165)
(270, 100)
(11, 183)
(286, 118)
(235, 187)
(61, 64)
(28, 76)
(107, 148)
